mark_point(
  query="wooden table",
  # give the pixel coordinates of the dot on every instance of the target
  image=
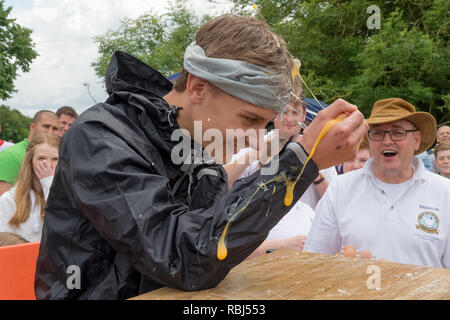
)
(288, 274)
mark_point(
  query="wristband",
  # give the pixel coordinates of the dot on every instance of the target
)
(320, 180)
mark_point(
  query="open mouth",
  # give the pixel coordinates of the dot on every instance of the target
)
(389, 153)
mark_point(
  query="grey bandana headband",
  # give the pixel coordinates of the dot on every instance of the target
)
(249, 82)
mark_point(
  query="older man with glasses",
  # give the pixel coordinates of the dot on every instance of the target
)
(392, 207)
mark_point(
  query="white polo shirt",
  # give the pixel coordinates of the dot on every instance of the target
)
(311, 196)
(412, 227)
(295, 223)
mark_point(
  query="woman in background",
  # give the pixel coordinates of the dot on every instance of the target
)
(22, 207)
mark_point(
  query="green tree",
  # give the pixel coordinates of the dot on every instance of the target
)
(406, 57)
(159, 40)
(16, 51)
(405, 61)
(342, 58)
(14, 125)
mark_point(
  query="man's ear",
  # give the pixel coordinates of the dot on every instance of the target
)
(196, 88)
(417, 139)
(31, 127)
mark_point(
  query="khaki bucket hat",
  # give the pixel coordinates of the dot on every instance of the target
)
(393, 109)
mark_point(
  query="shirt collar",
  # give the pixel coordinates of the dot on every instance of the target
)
(418, 167)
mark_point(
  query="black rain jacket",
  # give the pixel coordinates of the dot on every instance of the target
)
(122, 219)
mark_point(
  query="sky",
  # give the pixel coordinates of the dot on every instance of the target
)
(63, 32)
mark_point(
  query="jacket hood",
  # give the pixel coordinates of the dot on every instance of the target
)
(127, 73)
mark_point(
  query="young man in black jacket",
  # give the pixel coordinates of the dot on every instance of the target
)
(130, 211)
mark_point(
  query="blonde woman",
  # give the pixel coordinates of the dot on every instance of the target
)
(22, 207)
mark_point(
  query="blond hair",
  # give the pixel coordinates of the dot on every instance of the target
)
(246, 39)
(27, 180)
(11, 239)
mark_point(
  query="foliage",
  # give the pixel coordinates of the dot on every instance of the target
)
(341, 58)
(14, 125)
(16, 51)
(159, 40)
(406, 57)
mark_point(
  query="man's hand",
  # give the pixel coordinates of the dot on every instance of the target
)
(340, 143)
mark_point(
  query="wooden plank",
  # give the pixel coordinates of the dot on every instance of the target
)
(328, 280)
(288, 274)
(411, 282)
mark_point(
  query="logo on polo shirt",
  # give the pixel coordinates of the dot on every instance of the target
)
(428, 222)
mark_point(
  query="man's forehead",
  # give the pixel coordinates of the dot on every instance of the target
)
(295, 108)
(48, 117)
(394, 124)
(445, 152)
(66, 117)
(444, 129)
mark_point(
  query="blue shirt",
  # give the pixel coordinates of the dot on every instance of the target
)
(427, 158)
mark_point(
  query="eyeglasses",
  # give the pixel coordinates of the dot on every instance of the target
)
(395, 134)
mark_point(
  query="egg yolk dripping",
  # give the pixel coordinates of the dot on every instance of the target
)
(222, 250)
(290, 185)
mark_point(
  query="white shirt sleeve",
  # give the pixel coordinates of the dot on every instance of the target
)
(446, 258)
(7, 208)
(46, 184)
(323, 237)
(295, 223)
(329, 174)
